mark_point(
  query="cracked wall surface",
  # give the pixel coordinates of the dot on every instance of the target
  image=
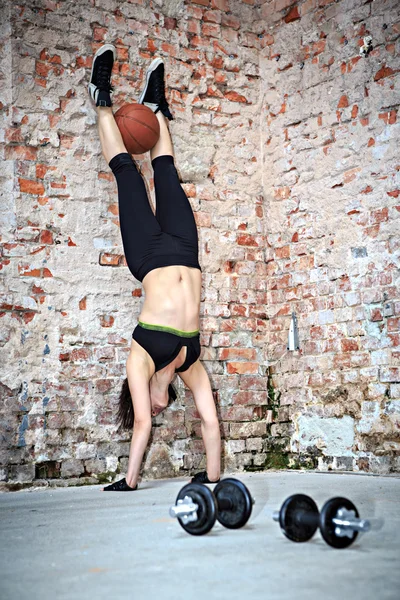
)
(286, 142)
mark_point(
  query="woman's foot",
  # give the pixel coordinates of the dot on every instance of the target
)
(119, 486)
(153, 94)
(202, 477)
(100, 87)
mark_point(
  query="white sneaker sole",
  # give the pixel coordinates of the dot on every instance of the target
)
(153, 66)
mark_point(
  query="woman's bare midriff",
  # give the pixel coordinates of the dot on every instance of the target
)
(172, 297)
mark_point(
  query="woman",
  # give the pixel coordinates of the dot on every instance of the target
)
(161, 251)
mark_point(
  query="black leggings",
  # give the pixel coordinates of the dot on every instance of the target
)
(150, 241)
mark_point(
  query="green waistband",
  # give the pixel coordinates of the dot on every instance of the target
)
(167, 329)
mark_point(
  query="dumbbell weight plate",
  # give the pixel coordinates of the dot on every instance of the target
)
(206, 512)
(235, 492)
(327, 527)
(290, 518)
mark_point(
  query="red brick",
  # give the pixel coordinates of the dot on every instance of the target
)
(14, 134)
(235, 97)
(242, 367)
(236, 353)
(211, 29)
(194, 11)
(28, 316)
(30, 187)
(280, 282)
(122, 54)
(393, 324)
(104, 385)
(82, 303)
(292, 15)
(26, 271)
(389, 118)
(199, 41)
(380, 215)
(84, 61)
(251, 398)
(343, 102)
(193, 26)
(221, 4)
(202, 219)
(348, 345)
(282, 193)
(245, 239)
(383, 72)
(99, 34)
(46, 237)
(169, 49)
(376, 315)
(42, 69)
(169, 23)
(113, 209)
(243, 324)
(41, 170)
(239, 310)
(106, 320)
(282, 252)
(236, 413)
(151, 46)
(20, 153)
(80, 354)
(341, 361)
(230, 21)
(112, 260)
(212, 16)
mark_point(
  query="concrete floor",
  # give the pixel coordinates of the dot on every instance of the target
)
(78, 543)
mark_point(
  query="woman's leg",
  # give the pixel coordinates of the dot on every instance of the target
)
(163, 146)
(173, 209)
(110, 136)
(139, 227)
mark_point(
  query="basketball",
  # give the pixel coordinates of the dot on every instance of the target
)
(139, 127)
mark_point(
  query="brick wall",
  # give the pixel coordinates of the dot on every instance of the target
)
(290, 166)
(330, 139)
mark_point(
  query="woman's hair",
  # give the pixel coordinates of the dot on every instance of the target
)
(125, 415)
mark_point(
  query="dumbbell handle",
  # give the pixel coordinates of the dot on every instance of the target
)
(354, 524)
(301, 517)
(343, 521)
(224, 504)
(189, 507)
(183, 508)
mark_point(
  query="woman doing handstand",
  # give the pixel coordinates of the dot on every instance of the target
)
(161, 251)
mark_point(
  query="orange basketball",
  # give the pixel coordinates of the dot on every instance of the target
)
(139, 127)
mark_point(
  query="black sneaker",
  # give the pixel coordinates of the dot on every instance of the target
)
(119, 486)
(99, 87)
(153, 94)
(202, 477)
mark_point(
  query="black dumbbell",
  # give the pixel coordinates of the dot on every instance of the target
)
(338, 521)
(197, 507)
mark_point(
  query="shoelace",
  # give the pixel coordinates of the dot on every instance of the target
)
(103, 77)
(159, 92)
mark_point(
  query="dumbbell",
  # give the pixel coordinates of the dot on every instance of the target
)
(197, 507)
(338, 521)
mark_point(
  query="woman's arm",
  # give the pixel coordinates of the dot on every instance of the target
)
(197, 380)
(138, 380)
